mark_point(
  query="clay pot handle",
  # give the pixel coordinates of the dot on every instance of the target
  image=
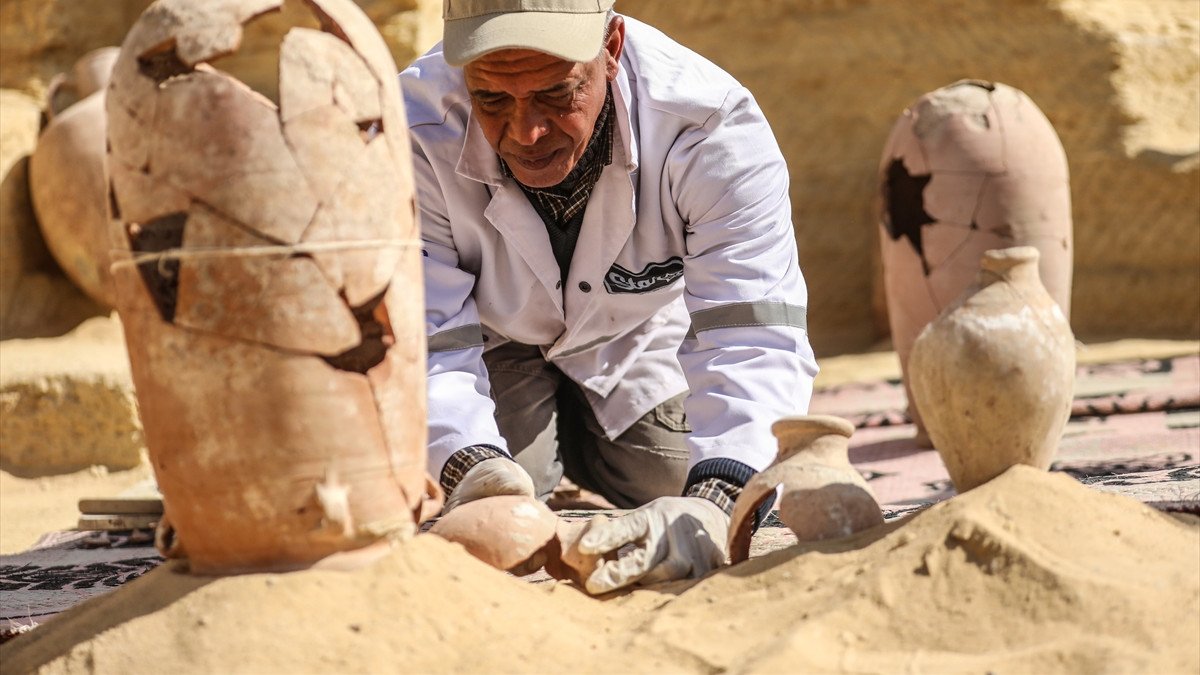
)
(758, 489)
(57, 83)
(90, 74)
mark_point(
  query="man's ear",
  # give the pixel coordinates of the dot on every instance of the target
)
(613, 47)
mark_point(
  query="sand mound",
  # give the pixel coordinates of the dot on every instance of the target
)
(1032, 572)
(429, 607)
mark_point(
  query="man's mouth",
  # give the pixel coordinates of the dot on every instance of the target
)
(534, 162)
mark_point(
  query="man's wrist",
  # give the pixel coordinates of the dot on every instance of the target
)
(463, 461)
(718, 491)
(720, 480)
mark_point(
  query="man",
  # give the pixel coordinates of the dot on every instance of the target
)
(608, 244)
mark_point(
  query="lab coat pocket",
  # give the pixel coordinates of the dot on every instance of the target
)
(670, 414)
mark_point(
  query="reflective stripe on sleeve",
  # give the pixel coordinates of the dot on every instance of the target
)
(463, 337)
(749, 314)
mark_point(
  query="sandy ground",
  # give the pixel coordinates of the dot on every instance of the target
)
(1032, 572)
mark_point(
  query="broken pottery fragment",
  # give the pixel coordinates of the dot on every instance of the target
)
(824, 497)
(995, 372)
(967, 168)
(66, 175)
(280, 376)
(565, 561)
(283, 300)
(508, 532)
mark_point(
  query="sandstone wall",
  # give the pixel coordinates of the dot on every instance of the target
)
(67, 403)
(1119, 79)
(39, 38)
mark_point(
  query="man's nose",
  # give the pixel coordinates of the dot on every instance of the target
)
(527, 123)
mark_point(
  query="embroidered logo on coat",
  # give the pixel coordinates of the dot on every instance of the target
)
(652, 277)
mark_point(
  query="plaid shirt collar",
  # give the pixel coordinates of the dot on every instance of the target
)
(568, 199)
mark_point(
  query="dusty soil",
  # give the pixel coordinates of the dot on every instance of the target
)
(1030, 573)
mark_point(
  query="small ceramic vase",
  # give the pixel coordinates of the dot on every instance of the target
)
(970, 167)
(824, 497)
(994, 374)
(66, 175)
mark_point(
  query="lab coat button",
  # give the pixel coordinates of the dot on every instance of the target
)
(585, 287)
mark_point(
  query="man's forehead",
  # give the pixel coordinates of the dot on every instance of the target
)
(528, 65)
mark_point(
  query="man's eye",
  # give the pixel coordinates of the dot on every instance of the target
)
(490, 103)
(558, 97)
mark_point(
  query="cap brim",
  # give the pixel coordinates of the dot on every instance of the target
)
(573, 37)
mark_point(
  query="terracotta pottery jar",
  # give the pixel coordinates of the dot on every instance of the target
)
(508, 532)
(994, 374)
(824, 497)
(969, 167)
(269, 280)
(520, 535)
(66, 175)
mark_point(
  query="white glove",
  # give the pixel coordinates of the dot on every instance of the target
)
(677, 538)
(490, 478)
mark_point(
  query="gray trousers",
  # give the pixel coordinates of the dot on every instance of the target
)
(552, 432)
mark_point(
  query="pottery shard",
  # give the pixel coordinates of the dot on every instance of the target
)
(201, 31)
(959, 130)
(360, 210)
(242, 167)
(138, 197)
(278, 300)
(328, 148)
(356, 29)
(399, 395)
(169, 39)
(130, 103)
(317, 69)
(504, 532)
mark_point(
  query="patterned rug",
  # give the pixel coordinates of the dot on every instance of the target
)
(1134, 430)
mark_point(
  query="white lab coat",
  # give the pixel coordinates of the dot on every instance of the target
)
(690, 224)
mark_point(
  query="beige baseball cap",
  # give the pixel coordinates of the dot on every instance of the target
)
(569, 29)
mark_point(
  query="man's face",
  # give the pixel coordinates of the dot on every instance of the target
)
(538, 111)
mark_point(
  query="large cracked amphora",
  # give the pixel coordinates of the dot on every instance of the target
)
(268, 273)
(994, 374)
(967, 168)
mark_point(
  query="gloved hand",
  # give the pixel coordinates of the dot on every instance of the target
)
(677, 538)
(490, 478)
